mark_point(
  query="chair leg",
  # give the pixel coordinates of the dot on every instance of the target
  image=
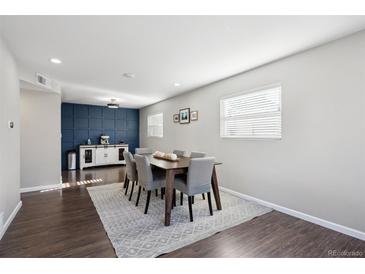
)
(210, 204)
(203, 196)
(147, 201)
(126, 189)
(162, 192)
(192, 199)
(174, 197)
(139, 194)
(125, 180)
(130, 195)
(190, 208)
(156, 192)
(181, 198)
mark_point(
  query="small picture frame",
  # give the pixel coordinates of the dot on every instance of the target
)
(184, 116)
(194, 115)
(176, 118)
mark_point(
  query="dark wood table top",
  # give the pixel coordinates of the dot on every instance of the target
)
(183, 162)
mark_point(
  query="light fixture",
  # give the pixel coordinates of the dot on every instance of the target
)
(113, 104)
(55, 61)
(177, 84)
(129, 75)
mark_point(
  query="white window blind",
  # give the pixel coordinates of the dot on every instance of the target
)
(155, 125)
(255, 114)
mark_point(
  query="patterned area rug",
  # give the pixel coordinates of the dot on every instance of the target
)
(134, 234)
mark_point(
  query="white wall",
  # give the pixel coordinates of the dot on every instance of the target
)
(40, 139)
(318, 166)
(9, 138)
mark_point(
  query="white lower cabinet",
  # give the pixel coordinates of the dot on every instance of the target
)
(99, 155)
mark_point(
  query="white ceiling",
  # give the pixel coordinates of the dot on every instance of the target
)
(192, 50)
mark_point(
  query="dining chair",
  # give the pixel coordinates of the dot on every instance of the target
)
(197, 154)
(147, 179)
(198, 181)
(179, 153)
(131, 172)
(143, 150)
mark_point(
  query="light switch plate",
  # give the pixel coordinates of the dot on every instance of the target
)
(11, 124)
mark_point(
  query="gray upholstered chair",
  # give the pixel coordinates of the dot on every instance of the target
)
(131, 172)
(179, 153)
(147, 179)
(196, 154)
(144, 150)
(197, 181)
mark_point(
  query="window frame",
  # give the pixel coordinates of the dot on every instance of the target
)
(240, 93)
(154, 114)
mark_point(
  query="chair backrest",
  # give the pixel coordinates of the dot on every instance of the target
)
(179, 153)
(200, 175)
(196, 154)
(143, 150)
(144, 170)
(130, 166)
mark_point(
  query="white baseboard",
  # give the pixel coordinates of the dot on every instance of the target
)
(336, 227)
(39, 188)
(10, 219)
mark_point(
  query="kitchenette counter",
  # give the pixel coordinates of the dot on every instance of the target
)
(101, 146)
(100, 155)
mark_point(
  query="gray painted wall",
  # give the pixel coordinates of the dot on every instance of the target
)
(9, 138)
(40, 138)
(318, 166)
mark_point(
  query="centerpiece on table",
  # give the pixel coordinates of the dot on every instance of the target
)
(166, 156)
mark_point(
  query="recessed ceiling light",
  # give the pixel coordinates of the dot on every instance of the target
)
(129, 75)
(177, 84)
(113, 104)
(55, 61)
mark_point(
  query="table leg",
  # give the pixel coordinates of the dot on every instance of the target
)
(170, 176)
(216, 190)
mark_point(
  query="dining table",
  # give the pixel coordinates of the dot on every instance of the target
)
(180, 166)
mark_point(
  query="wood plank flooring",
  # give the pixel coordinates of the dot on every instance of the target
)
(64, 223)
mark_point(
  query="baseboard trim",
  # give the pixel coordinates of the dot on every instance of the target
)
(327, 224)
(39, 188)
(10, 219)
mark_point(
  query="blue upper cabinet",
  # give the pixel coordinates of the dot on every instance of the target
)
(81, 122)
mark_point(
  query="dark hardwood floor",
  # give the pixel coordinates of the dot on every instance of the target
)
(64, 223)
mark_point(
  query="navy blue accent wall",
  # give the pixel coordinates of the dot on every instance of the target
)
(80, 122)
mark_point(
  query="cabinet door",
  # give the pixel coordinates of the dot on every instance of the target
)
(112, 155)
(121, 159)
(101, 155)
(87, 157)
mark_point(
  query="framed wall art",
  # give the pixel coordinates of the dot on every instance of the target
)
(184, 115)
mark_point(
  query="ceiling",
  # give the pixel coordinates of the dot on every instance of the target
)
(160, 50)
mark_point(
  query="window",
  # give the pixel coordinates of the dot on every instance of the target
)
(155, 125)
(253, 114)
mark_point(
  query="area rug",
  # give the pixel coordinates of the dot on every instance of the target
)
(136, 235)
